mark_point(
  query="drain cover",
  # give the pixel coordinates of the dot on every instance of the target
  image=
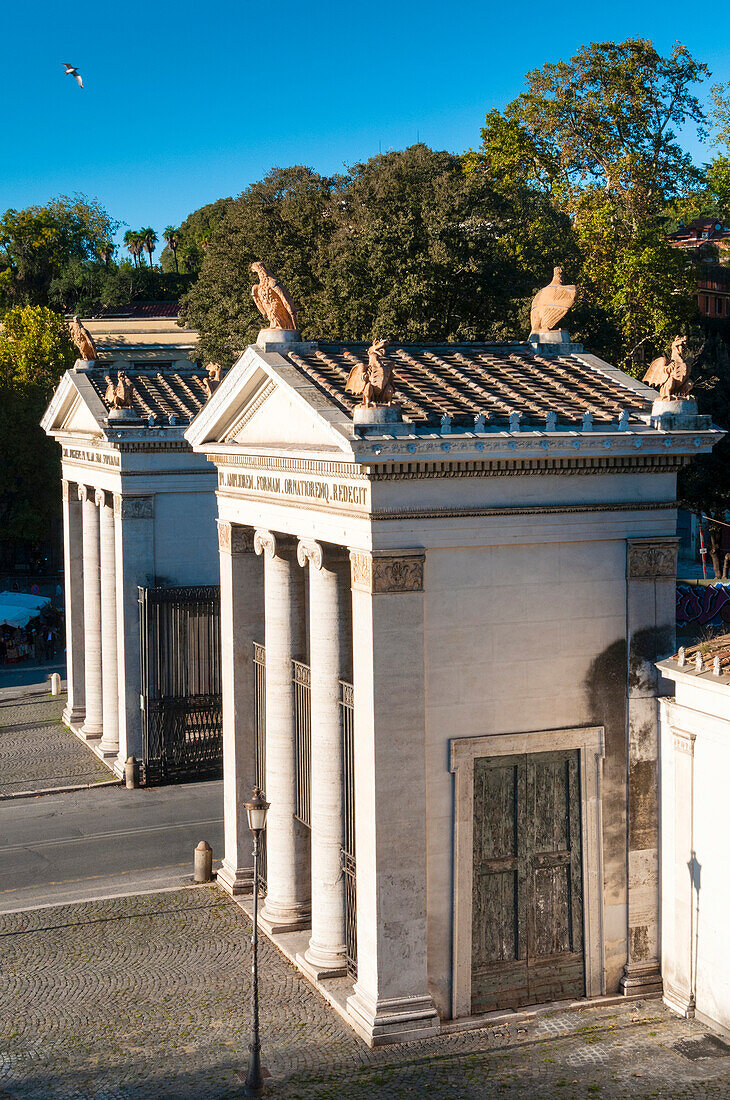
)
(707, 1046)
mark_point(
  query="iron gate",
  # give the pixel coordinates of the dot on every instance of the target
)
(259, 725)
(182, 721)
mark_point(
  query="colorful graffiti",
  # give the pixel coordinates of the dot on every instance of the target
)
(703, 604)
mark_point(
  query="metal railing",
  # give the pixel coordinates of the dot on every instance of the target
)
(349, 869)
(303, 726)
(259, 726)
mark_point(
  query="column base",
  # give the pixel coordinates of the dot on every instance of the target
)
(284, 920)
(73, 716)
(641, 978)
(396, 1020)
(91, 733)
(682, 1003)
(318, 971)
(235, 880)
(109, 752)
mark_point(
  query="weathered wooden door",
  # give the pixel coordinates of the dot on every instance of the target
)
(527, 902)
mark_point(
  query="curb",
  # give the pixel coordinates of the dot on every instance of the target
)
(62, 790)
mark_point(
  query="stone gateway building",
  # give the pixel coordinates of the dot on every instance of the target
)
(483, 584)
(138, 510)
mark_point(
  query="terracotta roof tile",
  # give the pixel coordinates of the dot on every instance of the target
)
(465, 380)
(159, 393)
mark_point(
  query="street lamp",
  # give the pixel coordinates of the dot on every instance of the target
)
(256, 811)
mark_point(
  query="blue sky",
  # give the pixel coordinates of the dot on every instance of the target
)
(184, 102)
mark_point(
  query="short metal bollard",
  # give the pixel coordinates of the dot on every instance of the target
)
(131, 773)
(203, 863)
(55, 684)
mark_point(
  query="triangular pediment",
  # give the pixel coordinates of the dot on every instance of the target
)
(264, 403)
(75, 409)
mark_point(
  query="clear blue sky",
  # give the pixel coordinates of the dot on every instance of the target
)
(186, 102)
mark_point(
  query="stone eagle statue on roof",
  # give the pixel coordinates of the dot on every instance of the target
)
(119, 396)
(374, 382)
(272, 300)
(83, 340)
(550, 304)
(671, 376)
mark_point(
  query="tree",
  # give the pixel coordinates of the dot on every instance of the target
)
(35, 350)
(133, 244)
(37, 243)
(170, 236)
(148, 239)
(193, 235)
(598, 136)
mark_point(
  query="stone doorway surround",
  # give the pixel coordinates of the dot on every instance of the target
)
(589, 741)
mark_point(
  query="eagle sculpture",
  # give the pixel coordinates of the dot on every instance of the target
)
(272, 300)
(213, 381)
(119, 396)
(83, 340)
(374, 382)
(671, 376)
(550, 304)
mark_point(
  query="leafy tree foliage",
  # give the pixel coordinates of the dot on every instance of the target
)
(38, 243)
(193, 237)
(35, 350)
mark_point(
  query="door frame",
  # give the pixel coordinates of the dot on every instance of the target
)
(590, 743)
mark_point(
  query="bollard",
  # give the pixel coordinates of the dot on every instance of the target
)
(131, 773)
(55, 684)
(203, 862)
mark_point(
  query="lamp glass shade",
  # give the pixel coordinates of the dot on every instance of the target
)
(256, 811)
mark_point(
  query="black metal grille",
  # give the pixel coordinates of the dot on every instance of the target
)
(180, 658)
(347, 709)
(303, 722)
(259, 664)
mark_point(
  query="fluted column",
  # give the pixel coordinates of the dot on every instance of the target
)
(242, 624)
(109, 674)
(73, 561)
(92, 726)
(329, 633)
(288, 885)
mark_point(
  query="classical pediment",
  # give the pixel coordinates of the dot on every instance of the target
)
(75, 408)
(264, 402)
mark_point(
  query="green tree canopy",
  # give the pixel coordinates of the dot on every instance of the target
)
(193, 237)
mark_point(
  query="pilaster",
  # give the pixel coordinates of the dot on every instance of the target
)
(73, 569)
(288, 881)
(391, 1002)
(679, 967)
(650, 634)
(109, 745)
(242, 624)
(93, 719)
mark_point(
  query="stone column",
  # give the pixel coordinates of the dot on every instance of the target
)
(242, 624)
(391, 1001)
(109, 745)
(288, 883)
(92, 726)
(73, 569)
(650, 636)
(329, 635)
(134, 523)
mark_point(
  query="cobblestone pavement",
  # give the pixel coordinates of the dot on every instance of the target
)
(38, 752)
(147, 997)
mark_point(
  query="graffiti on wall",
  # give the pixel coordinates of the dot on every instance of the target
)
(703, 605)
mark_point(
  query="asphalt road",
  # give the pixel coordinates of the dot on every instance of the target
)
(57, 849)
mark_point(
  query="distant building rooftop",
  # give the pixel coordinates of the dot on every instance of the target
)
(699, 233)
(142, 310)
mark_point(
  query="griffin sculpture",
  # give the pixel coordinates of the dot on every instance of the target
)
(83, 340)
(550, 304)
(119, 396)
(212, 382)
(671, 376)
(272, 300)
(374, 382)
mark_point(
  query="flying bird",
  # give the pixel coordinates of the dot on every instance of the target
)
(71, 70)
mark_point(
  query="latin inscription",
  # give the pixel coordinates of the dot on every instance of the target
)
(104, 458)
(330, 492)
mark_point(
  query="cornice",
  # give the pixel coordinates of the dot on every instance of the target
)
(528, 510)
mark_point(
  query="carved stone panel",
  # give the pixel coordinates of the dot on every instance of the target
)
(233, 538)
(134, 507)
(379, 574)
(649, 558)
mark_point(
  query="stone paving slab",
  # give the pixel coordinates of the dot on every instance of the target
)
(38, 753)
(148, 997)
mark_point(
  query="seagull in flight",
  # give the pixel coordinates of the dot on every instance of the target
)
(71, 70)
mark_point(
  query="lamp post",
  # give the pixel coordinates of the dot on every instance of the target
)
(256, 811)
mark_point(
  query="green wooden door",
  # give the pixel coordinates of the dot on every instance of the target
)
(527, 900)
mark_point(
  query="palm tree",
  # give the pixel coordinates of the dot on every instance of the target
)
(133, 244)
(170, 235)
(148, 240)
(106, 251)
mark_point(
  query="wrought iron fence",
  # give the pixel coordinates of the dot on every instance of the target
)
(259, 665)
(347, 710)
(303, 723)
(180, 660)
